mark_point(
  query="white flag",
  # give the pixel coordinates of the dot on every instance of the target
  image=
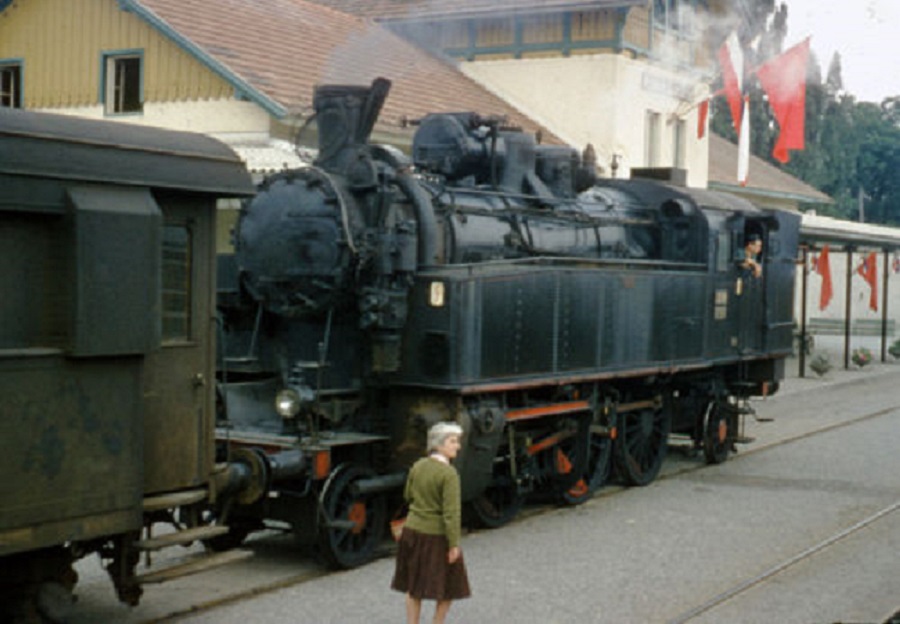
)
(731, 60)
(744, 145)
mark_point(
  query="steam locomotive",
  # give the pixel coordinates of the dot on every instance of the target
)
(569, 324)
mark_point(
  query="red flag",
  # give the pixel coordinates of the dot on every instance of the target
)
(869, 271)
(784, 81)
(702, 114)
(823, 268)
(731, 60)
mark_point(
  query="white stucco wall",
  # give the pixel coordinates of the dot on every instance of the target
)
(242, 125)
(603, 99)
(217, 117)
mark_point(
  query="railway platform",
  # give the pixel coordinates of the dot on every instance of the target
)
(639, 555)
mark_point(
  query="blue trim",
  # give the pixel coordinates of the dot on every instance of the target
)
(565, 45)
(517, 50)
(20, 63)
(472, 30)
(240, 85)
(4, 4)
(622, 15)
(518, 27)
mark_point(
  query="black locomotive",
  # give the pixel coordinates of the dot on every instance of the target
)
(570, 324)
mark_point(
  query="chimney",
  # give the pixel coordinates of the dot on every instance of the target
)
(345, 115)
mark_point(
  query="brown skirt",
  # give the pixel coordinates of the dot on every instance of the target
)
(422, 570)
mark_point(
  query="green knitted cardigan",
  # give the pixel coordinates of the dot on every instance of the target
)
(432, 491)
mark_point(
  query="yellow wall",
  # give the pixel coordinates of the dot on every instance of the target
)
(637, 27)
(61, 42)
(494, 32)
(594, 25)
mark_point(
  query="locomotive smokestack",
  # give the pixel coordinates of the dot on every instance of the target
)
(346, 115)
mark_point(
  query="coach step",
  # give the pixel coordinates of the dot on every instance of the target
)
(180, 538)
(193, 564)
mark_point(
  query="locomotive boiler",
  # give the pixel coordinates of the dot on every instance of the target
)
(570, 324)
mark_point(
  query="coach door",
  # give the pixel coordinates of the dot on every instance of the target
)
(178, 390)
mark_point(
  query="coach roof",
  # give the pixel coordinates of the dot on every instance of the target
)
(87, 150)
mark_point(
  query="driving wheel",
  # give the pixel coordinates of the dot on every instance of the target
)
(641, 445)
(352, 524)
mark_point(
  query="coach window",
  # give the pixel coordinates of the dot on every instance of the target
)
(122, 89)
(176, 283)
(10, 85)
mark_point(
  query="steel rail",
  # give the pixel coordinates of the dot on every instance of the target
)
(781, 567)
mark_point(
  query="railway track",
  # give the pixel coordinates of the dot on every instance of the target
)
(807, 553)
(772, 572)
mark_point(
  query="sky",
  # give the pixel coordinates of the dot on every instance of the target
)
(866, 33)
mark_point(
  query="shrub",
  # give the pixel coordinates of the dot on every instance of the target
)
(861, 357)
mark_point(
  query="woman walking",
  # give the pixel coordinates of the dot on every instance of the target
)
(429, 561)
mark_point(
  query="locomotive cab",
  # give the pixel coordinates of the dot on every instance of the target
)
(755, 248)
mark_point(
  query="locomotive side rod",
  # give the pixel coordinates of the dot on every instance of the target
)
(381, 483)
(528, 413)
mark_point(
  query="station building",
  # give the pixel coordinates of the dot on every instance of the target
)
(624, 76)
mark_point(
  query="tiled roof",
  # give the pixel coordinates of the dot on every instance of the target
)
(763, 179)
(415, 9)
(283, 48)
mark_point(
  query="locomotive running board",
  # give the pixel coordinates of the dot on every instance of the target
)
(192, 565)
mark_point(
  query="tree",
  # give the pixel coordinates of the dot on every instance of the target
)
(878, 161)
(834, 84)
(838, 148)
(890, 108)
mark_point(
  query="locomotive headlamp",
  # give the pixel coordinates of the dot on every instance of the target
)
(287, 403)
(436, 295)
